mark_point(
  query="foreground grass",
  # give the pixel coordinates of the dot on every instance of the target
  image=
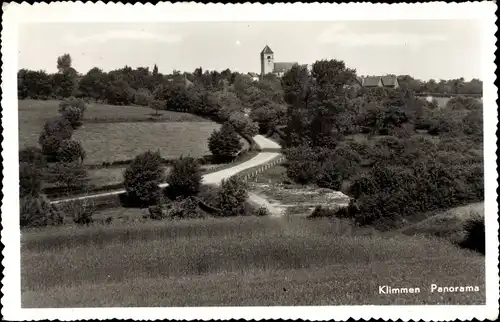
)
(33, 114)
(238, 261)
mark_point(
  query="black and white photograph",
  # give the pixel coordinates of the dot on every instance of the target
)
(211, 161)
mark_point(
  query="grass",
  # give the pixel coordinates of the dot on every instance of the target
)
(123, 141)
(33, 114)
(238, 261)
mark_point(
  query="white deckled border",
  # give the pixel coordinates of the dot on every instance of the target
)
(100, 12)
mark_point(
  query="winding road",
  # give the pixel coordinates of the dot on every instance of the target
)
(213, 178)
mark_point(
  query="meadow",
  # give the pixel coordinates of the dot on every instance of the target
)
(33, 114)
(238, 261)
(109, 142)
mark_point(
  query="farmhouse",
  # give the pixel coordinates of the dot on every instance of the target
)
(267, 64)
(388, 81)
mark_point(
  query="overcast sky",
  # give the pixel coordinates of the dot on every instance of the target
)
(439, 49)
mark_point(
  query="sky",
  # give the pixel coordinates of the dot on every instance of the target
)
(424, 49)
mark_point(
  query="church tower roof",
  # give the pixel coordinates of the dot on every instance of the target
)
(267, 50)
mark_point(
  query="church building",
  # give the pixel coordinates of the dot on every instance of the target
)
(267, 64)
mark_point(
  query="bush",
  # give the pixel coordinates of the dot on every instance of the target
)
(225, 143)
(81, 210)
(184, 209)
(54, 132)
(475, 237)
(185, 178)
(329, 177)
(142, 178)
(70, 151)
(37, 212)
(232, 196)
(263, 211)
(72, 109)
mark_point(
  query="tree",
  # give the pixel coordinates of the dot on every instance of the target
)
(232, 196)
(34, 84)
(142, 178)
(185, 178)
(143, 97)
(93, 84)
(63, 63)
(155, 70)
(224, 143)
(69, 175)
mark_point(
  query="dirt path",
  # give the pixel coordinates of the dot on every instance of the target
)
(214, 177)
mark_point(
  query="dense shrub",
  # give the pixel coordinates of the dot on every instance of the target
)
(142, 178)
(475, 237)
(463, 103)
(224, 143)
(72, 109)
(232, 196)
(387, 194)
(37, 212)
(185, 178)
(70, 151)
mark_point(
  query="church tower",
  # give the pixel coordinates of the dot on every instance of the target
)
(266, 61)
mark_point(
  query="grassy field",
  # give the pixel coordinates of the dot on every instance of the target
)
(107, 142)
(238, 261)
(33, 114)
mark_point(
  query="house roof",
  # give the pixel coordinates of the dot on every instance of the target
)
(252, 74)
(371, 81)
(267, 50)
(283, 66)
(389, 80)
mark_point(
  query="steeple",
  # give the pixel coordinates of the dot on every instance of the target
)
(266, 50)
